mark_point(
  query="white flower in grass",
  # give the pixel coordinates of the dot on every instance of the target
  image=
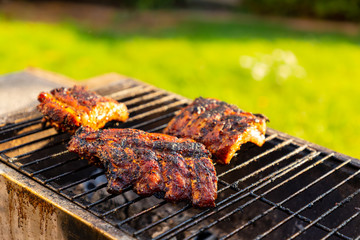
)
(290, 58)
(267, 59)
(278, 55)
(246, 61)
(280, 64)
(299, 71)
(287, 57)
(284, 71)
(259, 71)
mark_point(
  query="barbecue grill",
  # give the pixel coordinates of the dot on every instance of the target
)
(287, 189)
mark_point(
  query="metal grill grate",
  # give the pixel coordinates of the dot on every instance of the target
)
(288, 188)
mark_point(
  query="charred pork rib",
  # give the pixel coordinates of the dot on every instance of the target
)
(69, 108)
(220, 126)
(150, 163)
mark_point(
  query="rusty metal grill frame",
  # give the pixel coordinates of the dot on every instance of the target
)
(150, 109)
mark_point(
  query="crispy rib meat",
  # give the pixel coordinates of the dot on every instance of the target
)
(150, 163)
(69, 108)
(220, 126)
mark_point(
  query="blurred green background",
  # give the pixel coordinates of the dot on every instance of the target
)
(305, 79)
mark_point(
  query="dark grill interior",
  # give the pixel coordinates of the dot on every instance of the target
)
(288, 188)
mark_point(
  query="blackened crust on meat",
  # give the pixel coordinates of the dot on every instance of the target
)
(83, 144)
(151, 163)
(66, 109)
(220, 126)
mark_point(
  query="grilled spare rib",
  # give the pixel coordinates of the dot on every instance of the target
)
(220, 126)
(150, 163)
(69, 108)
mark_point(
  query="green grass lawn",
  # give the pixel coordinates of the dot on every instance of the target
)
(204, 58)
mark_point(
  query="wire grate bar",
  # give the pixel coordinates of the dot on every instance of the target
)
(152, 103)
(309, 204)
(287, 156)
(188, 206)
(154, 120)
(130, 92)
(301, 217)
(82, 180)
(24, 134)
(158, 128)
(271, 137)
(226, 184)
(290, 168)
(169, 216)
(65, 174)
(17, 126)
(49, 145)
(341, 225)
(53, 166)
(144, 98)
(162, 220)
(201, 216)
(89, 191)
(278, 205)
(343, 202)
(44, 158)
(121, 206)
(157, 110)
(145, 211)
(141, 213)
(4, 157)
(26, 144)
(101, 200)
